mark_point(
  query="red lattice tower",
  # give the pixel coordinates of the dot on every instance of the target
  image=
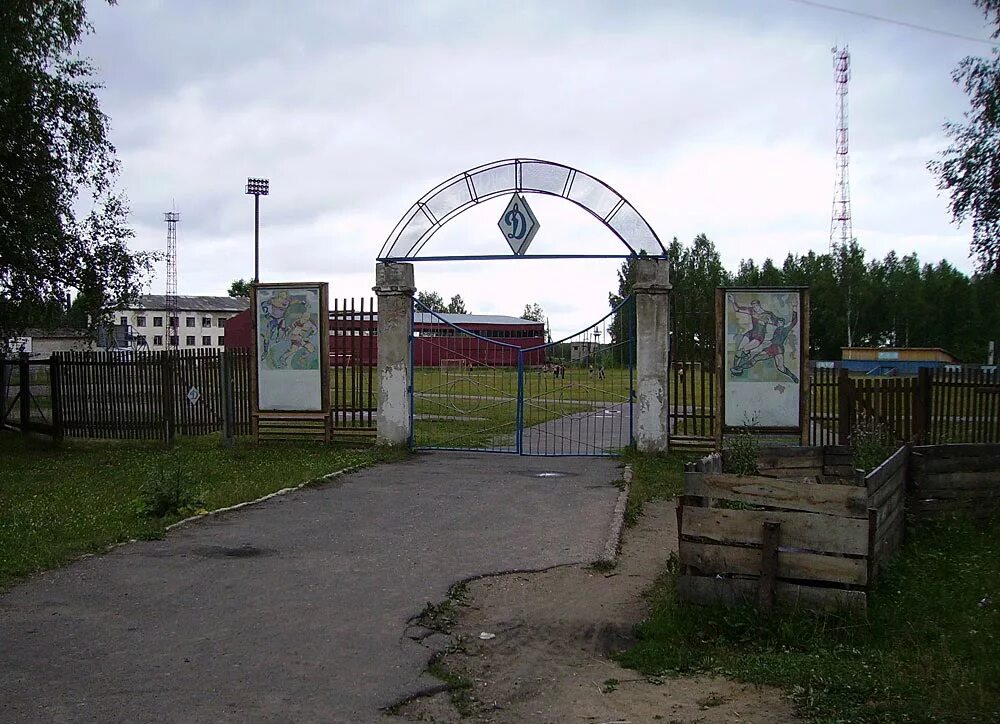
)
(841, 231)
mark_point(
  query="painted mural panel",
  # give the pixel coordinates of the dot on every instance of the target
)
(762, 357)
(289, 376)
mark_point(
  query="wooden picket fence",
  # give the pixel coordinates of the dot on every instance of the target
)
(692, 414)
(939, 405)
(152, 395)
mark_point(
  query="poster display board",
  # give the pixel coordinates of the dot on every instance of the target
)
(291, 347)
(763, 348)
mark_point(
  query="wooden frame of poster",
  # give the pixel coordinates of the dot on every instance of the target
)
(765, 352)
(281, 333)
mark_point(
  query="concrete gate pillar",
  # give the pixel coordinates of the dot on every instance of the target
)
(394, 287)
(652, 336)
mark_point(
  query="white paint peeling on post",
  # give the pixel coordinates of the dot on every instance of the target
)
(394, 287)
(652, 309)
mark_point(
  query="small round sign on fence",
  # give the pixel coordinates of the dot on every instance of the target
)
(193, 395)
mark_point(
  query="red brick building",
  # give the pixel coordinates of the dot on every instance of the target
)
(353, 338)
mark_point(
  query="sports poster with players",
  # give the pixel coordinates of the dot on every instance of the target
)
(762, 354)
(291, 347)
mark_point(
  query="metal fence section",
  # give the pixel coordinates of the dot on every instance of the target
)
(576, 397)
(353, 358)
(28, 400)
(569, 397)
(464, 388)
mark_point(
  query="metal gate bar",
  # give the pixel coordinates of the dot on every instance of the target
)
(471, 391)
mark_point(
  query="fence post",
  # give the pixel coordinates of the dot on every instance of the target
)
(167, 397)
(5, 374)
(768, 564)
(845, 408)
(922, 406)
(228, 408)
(55, 396)
(25, 389)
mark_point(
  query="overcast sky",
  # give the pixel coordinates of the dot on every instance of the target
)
(709, 116)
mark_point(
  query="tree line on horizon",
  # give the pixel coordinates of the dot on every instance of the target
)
(896, 301)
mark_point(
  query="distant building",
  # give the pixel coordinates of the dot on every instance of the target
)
(584, 351)
(200, 322)
(894, 360)
(41, 343)
(435, 341)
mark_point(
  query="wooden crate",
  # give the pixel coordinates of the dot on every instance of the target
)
(795, 540)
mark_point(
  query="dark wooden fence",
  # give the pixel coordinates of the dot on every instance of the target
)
(691, 415)
(152, 395)
(157, 395)
(941, 405)
(955, 480)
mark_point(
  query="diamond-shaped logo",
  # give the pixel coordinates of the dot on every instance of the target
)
(518, 224)
(193, 395)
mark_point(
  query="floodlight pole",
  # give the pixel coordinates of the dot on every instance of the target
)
(256, 238)
(257, 187)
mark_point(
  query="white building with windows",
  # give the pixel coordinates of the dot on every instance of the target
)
(199, 322)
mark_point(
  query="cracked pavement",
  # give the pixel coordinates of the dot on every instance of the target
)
(297, 608)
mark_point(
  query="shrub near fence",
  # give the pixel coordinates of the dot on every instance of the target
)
(788, 540)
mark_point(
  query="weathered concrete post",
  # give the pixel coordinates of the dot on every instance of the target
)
(394, 287)
(652, 308)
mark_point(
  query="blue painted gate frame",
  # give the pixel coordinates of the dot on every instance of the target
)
(522, 354)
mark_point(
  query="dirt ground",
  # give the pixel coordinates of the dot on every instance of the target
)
(554, 631)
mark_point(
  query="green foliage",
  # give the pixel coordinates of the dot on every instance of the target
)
(534, 312)
(740, 453)
(895, 301)
(62, 226)
(170, 491)
(655, 476)
(456, 305)
(927, 651)
(240, 288)
(968, 169)
(432, 301)
(871, 443)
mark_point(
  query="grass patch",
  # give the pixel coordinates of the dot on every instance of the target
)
(654, 477)
(57, 503)
(926, 652)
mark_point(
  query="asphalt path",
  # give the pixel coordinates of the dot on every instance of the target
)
(297, 609)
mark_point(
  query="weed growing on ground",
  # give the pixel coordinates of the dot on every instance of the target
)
(740, 453)
(655, 476)
(926, 651)
(871, 443)
(171, 491)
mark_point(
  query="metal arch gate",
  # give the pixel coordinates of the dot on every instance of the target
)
(470, 391)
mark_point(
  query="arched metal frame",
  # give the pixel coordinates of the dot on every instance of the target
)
(531, 176)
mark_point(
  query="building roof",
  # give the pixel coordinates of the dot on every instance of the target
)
(459, 320)
(464, 320)
(194, 304)
(876, 350)
(57, 332)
